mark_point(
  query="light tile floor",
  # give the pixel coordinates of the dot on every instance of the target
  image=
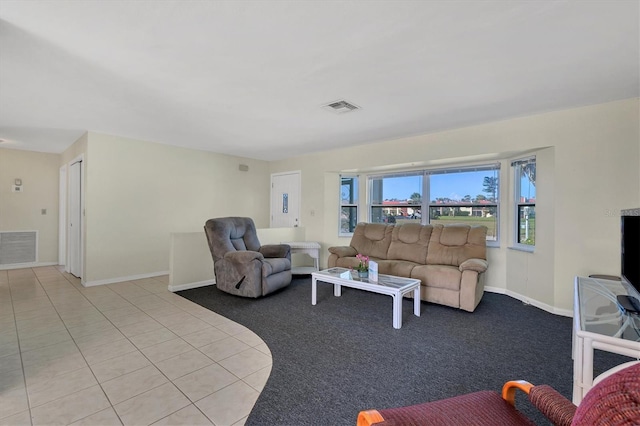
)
(129, 353)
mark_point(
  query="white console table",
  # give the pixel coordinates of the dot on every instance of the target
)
(599, 323)
(310, 248)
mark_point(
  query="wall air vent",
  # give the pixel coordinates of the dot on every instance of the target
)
(341, 106)
(18, 247)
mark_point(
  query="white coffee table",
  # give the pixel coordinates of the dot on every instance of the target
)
(396, 287)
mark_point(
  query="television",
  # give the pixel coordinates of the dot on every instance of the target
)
(630, 257)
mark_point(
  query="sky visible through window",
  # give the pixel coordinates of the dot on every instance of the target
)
(453, 186)
(527, 188)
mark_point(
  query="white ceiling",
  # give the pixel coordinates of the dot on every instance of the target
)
(249, 78)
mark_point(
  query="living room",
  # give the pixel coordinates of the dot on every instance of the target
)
(123, 193)
(139, 187)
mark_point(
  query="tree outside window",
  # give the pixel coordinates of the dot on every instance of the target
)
(525, 201)
(348, 204)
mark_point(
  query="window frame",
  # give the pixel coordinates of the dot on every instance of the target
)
(355, 201)
(519, 204)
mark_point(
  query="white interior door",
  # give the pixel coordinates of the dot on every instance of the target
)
(62, 217)
(285, 200)
(74, 261)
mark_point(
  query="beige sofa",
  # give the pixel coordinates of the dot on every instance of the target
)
(449, 260)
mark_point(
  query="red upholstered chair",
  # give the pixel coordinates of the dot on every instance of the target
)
(615, 401)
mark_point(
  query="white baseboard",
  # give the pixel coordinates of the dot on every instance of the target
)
(187, 286)
(121, 279)
(530, 301)
(27, 265)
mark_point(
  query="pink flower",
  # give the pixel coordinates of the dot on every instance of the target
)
(364, 262)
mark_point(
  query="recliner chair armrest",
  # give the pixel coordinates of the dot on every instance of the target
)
(244, 256)
(478, 265)
(369, 417)
(343, 251)
(552, 404)
(276, 251)
(509, 390)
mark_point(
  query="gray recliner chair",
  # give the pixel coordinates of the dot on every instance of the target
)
(241, 265)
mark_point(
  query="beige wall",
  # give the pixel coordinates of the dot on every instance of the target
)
(22, 211)
(597, 158)
(588, 170)
(138, 193)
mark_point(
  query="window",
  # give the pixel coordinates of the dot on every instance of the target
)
(396, 198)
(348, 204)
(525, 201)
(461, 195)
(468, 196)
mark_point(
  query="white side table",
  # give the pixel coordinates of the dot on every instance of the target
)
(310, 248)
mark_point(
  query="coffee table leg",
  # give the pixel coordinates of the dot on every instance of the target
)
(314, 287)
(397, 310)
(337, 290)
(416, 301)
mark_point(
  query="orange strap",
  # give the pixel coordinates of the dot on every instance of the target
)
(369, 417)
(509, 390)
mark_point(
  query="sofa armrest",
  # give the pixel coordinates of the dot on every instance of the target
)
(478, 265)
(276, 251)
(243, 256)
(343, 251)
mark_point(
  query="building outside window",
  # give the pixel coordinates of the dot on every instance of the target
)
(525, 201)
(348, 204)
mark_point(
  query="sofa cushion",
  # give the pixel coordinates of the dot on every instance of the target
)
(372, 239)
(410, 241)
(453, 244)
(441, 276)
(399, 268)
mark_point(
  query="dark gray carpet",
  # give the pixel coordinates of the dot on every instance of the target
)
(341, 356)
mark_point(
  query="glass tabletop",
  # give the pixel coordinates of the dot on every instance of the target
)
(383, 280)
(599, 310)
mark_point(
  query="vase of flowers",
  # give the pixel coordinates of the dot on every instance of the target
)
(363, 266)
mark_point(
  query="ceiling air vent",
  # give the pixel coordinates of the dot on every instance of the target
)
(341, 106)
